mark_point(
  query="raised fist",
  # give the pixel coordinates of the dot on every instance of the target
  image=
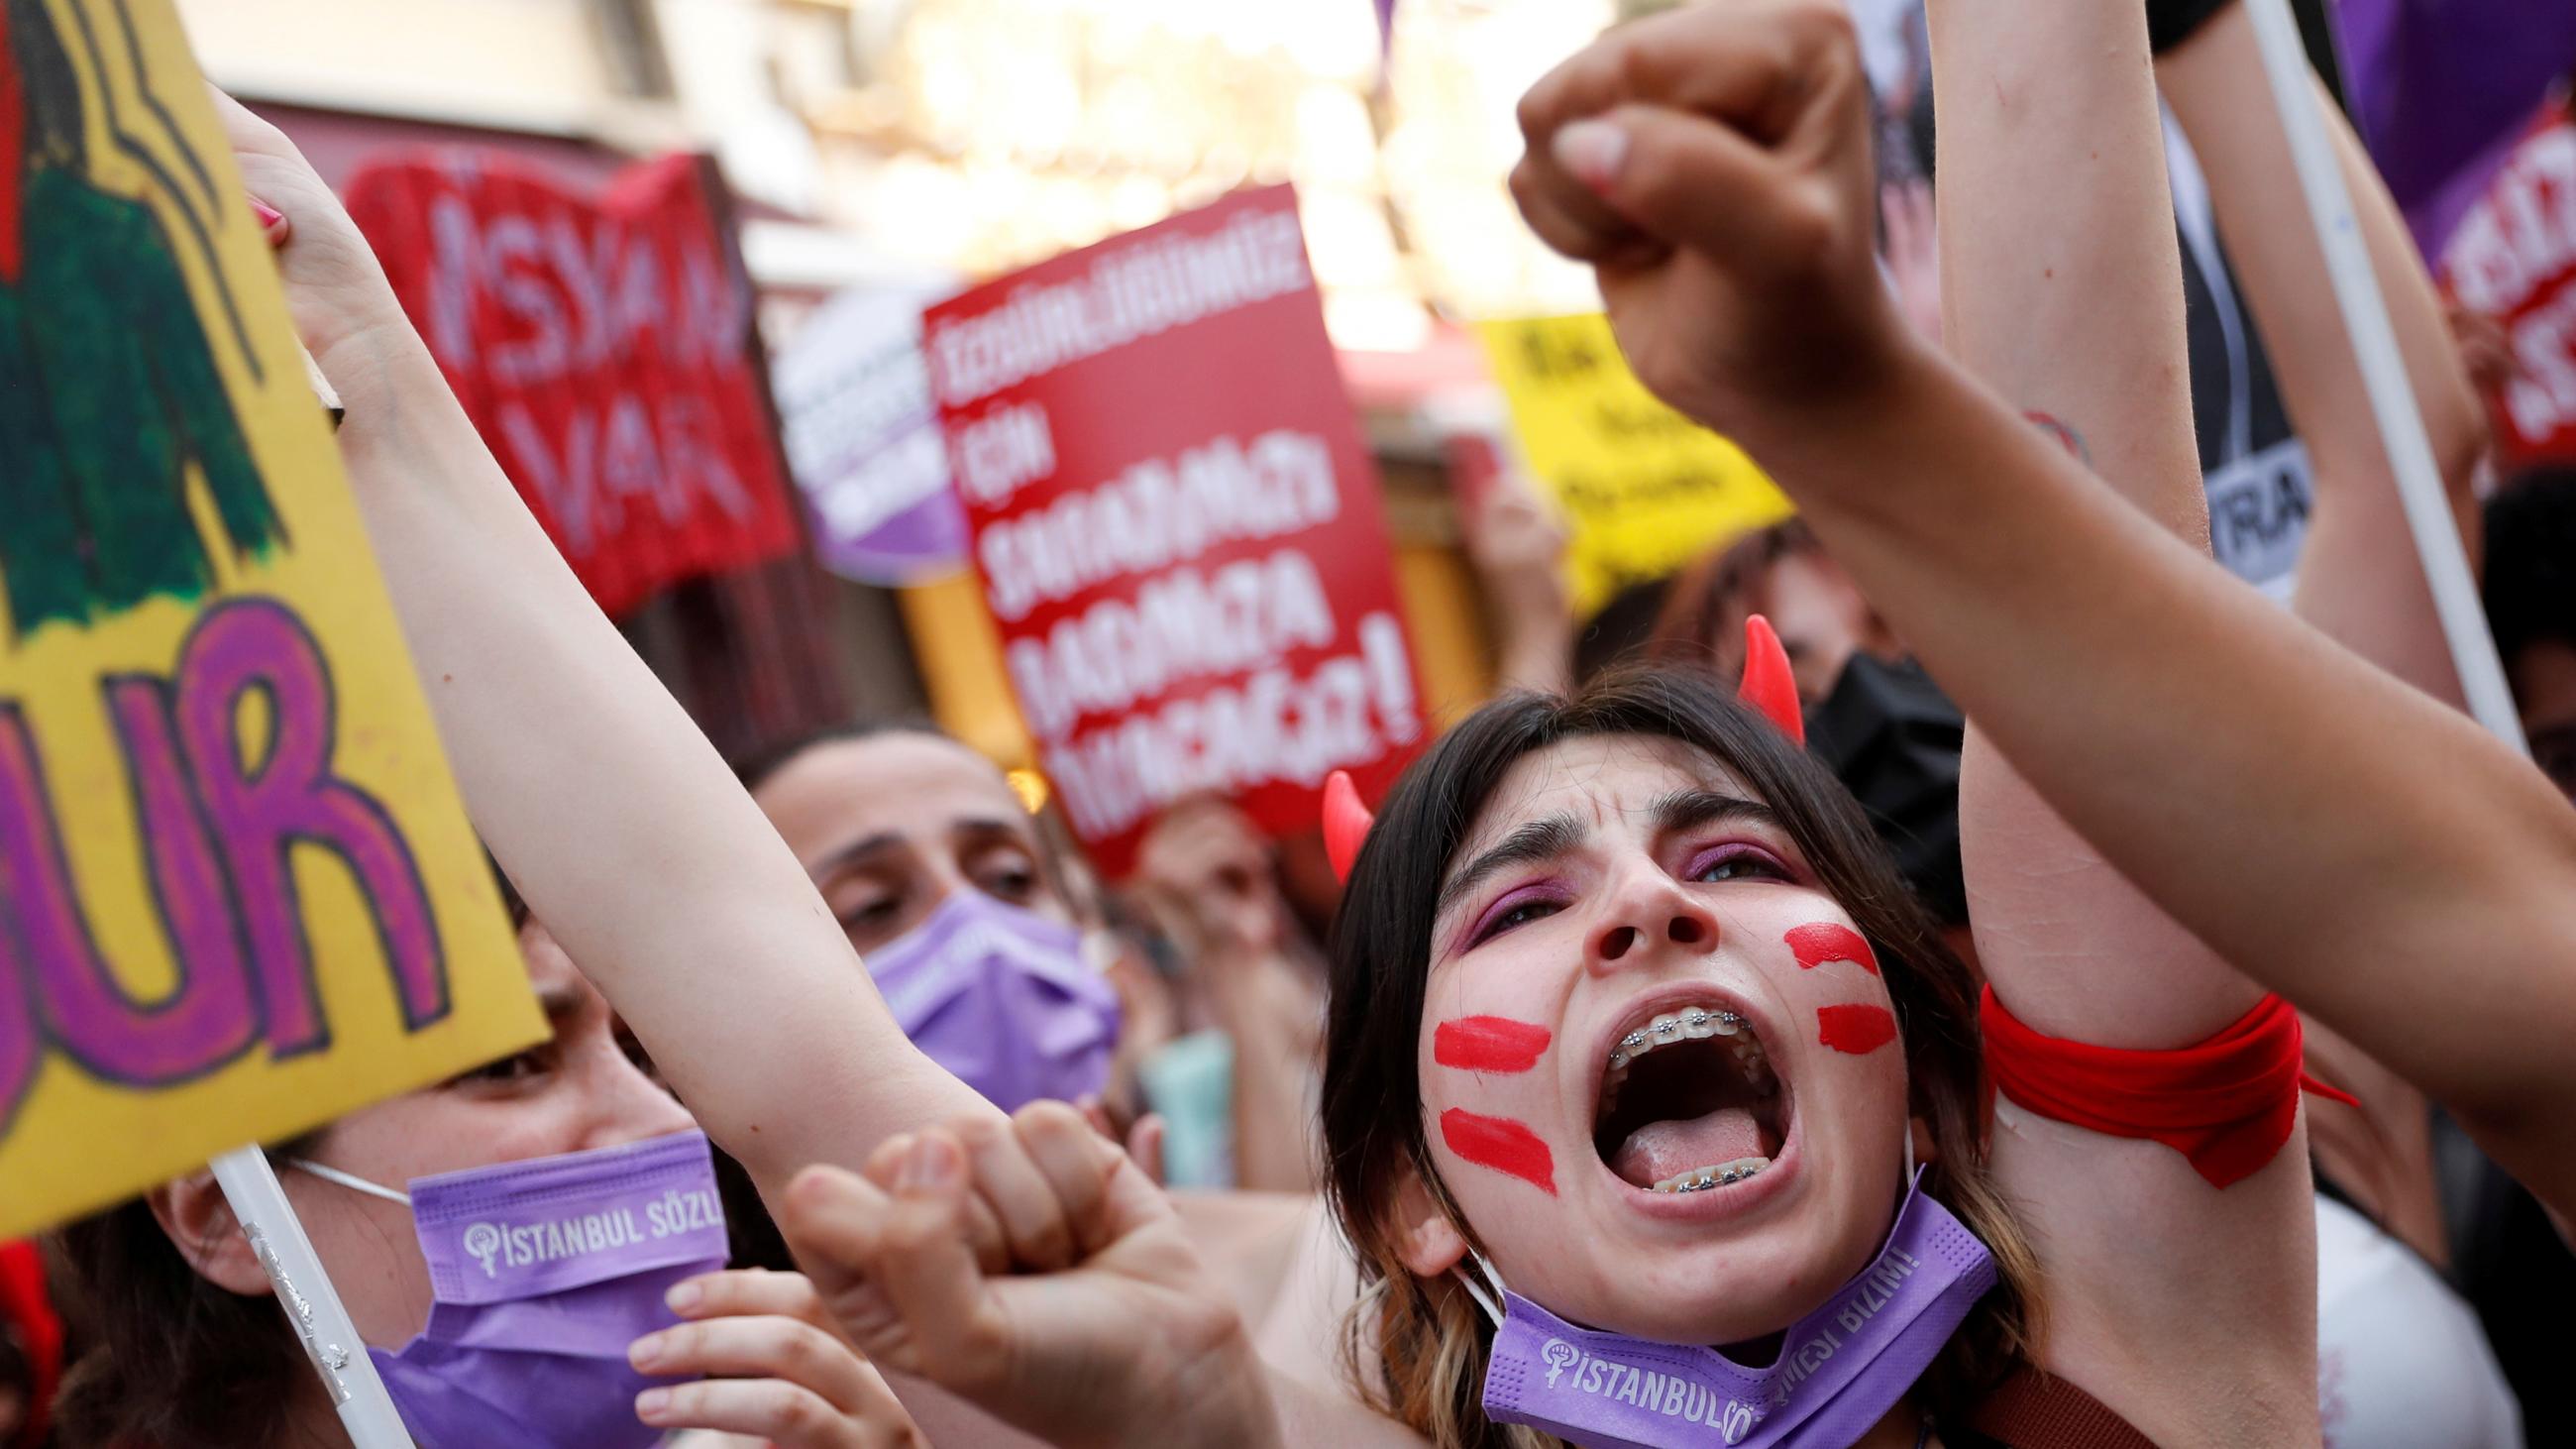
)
(1713, 164)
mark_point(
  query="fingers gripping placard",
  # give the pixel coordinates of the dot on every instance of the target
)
(237, 896)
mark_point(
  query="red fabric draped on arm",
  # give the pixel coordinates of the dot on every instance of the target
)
(2226, 1103)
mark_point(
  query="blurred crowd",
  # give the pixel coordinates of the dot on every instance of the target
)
(1293, 1218)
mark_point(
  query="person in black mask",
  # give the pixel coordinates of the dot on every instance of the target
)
(1873, 715)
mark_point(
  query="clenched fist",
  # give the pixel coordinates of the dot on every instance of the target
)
(1713, 164)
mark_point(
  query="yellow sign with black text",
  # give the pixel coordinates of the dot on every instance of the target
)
(1646, 489)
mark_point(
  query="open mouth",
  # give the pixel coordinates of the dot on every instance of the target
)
(1689, 1102)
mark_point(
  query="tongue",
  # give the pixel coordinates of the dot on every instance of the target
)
(1660, 1150)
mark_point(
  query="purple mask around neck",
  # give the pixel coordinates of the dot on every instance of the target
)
(1840, 1369)
(543, 1271)
(1002, 998)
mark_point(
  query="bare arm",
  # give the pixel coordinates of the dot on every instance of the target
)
(1518, 543)
(1209, 878)
(607, 807)
(1271, 1015)
(2371, 854)
(2345, 840)
(2359, 580)
(2062, 288)
(2358, 576)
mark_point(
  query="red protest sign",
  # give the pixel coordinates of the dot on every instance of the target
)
(604, 349)
(2513, 258)
(1178, 527)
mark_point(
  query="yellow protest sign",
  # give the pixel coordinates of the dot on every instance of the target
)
(238, 897)
(1646, 489)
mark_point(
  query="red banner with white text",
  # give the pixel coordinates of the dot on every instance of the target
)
(604, 347)
(1178, 526)
(2513, 259)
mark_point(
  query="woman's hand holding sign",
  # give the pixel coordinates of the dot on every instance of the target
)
(345, 311)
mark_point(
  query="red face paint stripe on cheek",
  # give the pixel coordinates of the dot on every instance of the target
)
(1825, 941)
(1488, 1044)
(1501, 1144)
(1858, 1030)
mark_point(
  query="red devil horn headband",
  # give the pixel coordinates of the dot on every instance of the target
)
(1346, 823)
(1768, 686)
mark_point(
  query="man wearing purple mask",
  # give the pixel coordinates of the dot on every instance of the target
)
(935, 871)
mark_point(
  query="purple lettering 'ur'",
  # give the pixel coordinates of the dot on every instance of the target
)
(47, 955)
(291, 798)
(216, 830)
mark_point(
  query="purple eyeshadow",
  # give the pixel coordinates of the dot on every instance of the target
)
(1735, 849)
(1510, 901)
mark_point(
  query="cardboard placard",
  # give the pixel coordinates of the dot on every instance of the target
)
(1178, 527)
(1645, 489)
(238, 897)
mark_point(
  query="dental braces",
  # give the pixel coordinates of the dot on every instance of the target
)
(1666, 1030)
(1728, 1178)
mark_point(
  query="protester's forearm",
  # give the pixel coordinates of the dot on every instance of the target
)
(2061, 282)
(2358, 576)
(610, 811)
(1274, 1065)
(1534, 628)
(2340, 837)
(2062, 290)
(1541, 663)
(1271, 1149)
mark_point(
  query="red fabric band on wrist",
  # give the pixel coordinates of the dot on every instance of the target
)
(26, 1310)
(2227, 1103)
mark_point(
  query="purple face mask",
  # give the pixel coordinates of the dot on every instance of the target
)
(1841, 1368)
(544, 1271)
(1002, 998)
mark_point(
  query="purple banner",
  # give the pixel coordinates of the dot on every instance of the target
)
(864, 441)
(2442, 89)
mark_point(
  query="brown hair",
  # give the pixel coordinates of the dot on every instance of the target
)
(1429, 1341)
(1710, 588)
(167, 1358)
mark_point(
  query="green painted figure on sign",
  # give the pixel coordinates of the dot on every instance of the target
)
(109, 393)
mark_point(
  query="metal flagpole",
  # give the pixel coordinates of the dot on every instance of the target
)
(330, 1340)
(2383, 371)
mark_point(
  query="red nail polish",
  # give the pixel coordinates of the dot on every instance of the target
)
(270, 218)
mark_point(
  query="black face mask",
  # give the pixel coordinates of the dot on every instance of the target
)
(1893, 738)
